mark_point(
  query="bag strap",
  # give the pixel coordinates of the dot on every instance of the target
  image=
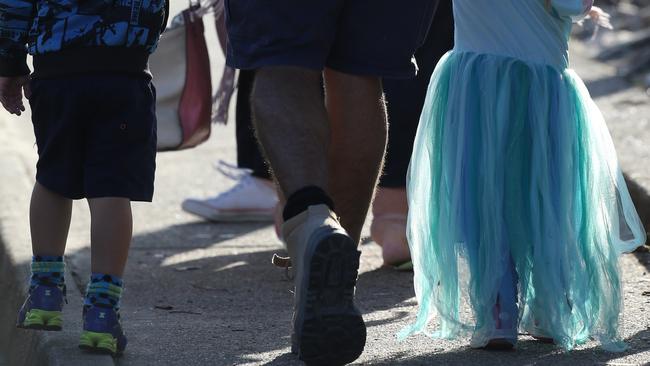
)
(166, 17)
(202, 8)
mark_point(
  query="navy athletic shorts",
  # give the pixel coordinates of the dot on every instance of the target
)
(360, 37)
(96, 135)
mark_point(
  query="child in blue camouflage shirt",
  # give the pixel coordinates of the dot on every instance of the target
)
(93, 110)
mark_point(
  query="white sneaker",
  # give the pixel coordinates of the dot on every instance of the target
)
(251, 199)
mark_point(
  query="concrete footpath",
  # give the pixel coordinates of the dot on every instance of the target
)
(204, 294)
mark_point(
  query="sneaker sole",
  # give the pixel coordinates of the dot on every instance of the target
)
(330, 330)
(240, 216)
(541, 339)
(47, 328)
(500, 344)
(100, 343)
(540, 335)
(37, 319)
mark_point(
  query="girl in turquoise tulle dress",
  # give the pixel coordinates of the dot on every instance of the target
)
(518, 206)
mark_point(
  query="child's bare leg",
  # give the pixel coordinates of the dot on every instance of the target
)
(111, 229)
(49, 218)
(110, 236)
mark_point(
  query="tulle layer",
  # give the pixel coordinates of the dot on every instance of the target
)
(513, 160)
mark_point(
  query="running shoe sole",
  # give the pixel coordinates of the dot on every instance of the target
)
(499, 344)
(101, 343)
(329, 329)
(541, 339)
(37, 319)
(540, 335)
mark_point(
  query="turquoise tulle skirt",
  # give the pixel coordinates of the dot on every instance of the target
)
(513, 167)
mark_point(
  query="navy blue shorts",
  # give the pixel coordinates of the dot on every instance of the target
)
(360, 37)
(96, 135)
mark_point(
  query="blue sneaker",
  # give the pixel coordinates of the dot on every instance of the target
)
(102, 331)
(42, 309)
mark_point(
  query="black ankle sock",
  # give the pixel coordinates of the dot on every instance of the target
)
(303, 198)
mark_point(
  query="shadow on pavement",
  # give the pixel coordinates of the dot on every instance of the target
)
(528, 352)
(641, 199)
(205, 294)
(383, 289)
(214, 290)
(606, 86)
(193, 235)
(202, 294)
(17, 347)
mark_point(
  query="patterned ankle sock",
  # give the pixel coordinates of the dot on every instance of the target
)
(104, 290)
(47, 270)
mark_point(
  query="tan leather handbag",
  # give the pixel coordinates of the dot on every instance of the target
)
(181, 73)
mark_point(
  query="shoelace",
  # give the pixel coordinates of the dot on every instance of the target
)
(243, 176)
(231, 171)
